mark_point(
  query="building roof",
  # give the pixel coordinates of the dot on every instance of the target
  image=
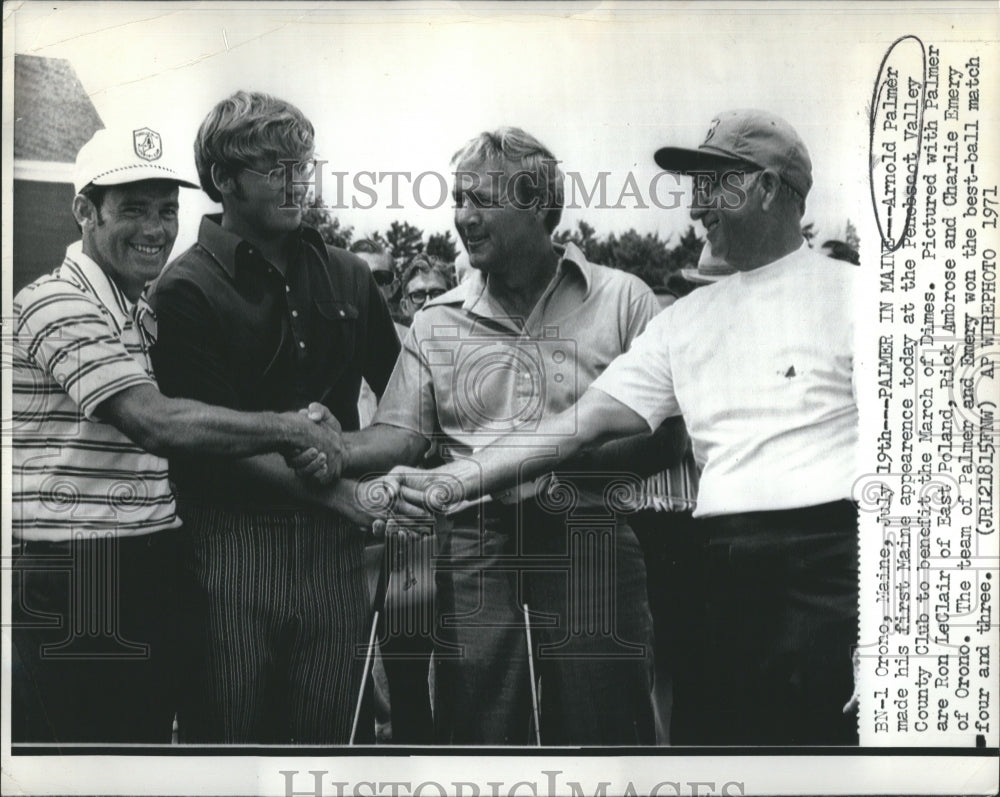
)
(53, 116)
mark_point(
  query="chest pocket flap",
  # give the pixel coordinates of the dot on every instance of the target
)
(337, 311)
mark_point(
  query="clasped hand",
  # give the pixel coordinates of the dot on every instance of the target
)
(321, 460)
(406, 500)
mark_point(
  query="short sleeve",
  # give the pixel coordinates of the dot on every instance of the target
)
(71, 338)
(642, 378)
(642, 308)
(409, 401)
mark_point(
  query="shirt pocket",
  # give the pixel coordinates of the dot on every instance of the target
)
(338, 333)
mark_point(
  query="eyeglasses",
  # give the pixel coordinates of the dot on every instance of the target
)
(302, 171)
(384, 278)
(421, 296)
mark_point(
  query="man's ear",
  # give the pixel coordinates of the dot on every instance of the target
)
(84, 212)
(541, 210)
(223, 179)
(770, 185)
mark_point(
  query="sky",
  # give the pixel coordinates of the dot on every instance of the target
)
(401, 87)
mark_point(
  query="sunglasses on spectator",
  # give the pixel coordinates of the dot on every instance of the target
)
(383, 277)
(302, 171)
(420, 296)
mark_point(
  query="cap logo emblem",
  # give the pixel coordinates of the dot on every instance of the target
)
(711, 131)
(147, 144)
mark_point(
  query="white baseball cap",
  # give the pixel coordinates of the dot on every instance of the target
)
(114, 157)
(710, 268)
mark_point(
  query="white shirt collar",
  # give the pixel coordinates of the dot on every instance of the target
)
(96, 281)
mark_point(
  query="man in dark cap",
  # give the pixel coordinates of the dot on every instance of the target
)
(760, 364)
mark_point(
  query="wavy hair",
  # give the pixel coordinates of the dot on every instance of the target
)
(247, 127)
(514, 145)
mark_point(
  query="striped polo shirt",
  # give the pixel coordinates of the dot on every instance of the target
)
(77, 342)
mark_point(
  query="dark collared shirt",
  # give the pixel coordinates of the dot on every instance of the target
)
(233, 331)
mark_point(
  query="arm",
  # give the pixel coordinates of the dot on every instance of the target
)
(642, 454)
(379, 448)
(404, 421)
(170, 426)
(342, 497)
(517, 458)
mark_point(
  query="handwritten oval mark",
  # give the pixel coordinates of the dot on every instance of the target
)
(896, 123)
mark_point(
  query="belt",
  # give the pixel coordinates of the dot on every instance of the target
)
(23, 547)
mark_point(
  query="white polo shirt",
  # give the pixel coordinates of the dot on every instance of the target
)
(760, 364)
(77, 342)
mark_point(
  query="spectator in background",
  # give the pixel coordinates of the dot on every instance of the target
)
(425, 277)
(462, 266)
(383, 268)
(711, 268)
(838, 250)
(678, 285)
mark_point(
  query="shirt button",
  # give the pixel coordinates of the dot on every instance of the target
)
(287, 289)
(295, 313)
(342, 314)
(302, 344)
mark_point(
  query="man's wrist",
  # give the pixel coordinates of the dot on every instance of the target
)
(348, 454)
(290, 430)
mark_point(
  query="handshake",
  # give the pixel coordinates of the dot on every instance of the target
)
(317, 453)
(401, 501)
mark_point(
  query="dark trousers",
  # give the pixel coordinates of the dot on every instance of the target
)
(406, 638)
(585, 585)
(765, 657)
(279, 628)
(670, 594)
(96, 637)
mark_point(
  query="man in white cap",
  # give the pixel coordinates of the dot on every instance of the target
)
(760, 364)
(94, 522)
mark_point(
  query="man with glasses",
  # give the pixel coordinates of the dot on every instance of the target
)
(426, 278)
(261, 314)
(761, 366)
(380, 261)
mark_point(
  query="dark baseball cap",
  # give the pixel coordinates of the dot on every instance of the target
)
(741, 137)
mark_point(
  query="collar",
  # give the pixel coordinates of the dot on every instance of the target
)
(228, 249)
(82, 270)
(472, 290)
(762, 272)
(573, 259)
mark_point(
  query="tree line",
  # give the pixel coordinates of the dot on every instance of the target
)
(647, 255)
